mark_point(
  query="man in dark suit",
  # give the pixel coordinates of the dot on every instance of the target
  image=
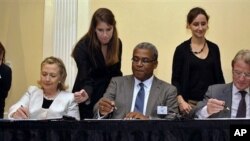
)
(230, 100)
(120, 98)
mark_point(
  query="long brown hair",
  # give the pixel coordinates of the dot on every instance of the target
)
(102, 15)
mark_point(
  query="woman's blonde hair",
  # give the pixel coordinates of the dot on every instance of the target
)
(62, 70)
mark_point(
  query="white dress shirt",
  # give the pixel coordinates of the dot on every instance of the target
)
(147, 86)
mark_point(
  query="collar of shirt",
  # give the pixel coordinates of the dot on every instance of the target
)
(147, 86)
(236, 91)
(147, 83)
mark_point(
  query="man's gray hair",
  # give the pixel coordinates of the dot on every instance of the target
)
(149, 46)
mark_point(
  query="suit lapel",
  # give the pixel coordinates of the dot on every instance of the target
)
(129, 90)
(228, 98)
(38, 100)
(228, 94)
(153, 96)
(100, 61)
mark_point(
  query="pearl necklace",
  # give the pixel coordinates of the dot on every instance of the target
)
(198, 52)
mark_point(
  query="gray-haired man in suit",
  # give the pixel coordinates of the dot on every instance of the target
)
(120, 97)
(223, 100)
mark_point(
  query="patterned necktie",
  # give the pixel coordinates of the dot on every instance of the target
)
(241, 113)
(139, 102)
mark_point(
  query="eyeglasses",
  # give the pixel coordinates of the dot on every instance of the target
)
(239, 74)
(143, 60)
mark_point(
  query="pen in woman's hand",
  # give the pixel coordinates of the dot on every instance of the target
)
(24, 111)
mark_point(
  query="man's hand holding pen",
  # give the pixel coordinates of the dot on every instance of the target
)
(106, 106)
(21, 113)
(215, 106)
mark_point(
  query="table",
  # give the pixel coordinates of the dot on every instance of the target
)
(118, 130)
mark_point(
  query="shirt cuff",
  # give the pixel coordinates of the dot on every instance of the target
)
(87, 102)
(202, 113)
(99, 116)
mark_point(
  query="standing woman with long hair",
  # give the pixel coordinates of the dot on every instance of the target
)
(196, 63)
(98, 58)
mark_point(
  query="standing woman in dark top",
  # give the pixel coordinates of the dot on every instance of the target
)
(5, 79)
(98, 59)
(196, 63)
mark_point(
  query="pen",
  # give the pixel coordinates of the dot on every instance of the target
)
(226, 108)
(114, 107)
(25, 112)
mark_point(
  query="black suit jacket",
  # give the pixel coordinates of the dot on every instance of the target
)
(5, 84)
(93, 76)
(5, 80)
